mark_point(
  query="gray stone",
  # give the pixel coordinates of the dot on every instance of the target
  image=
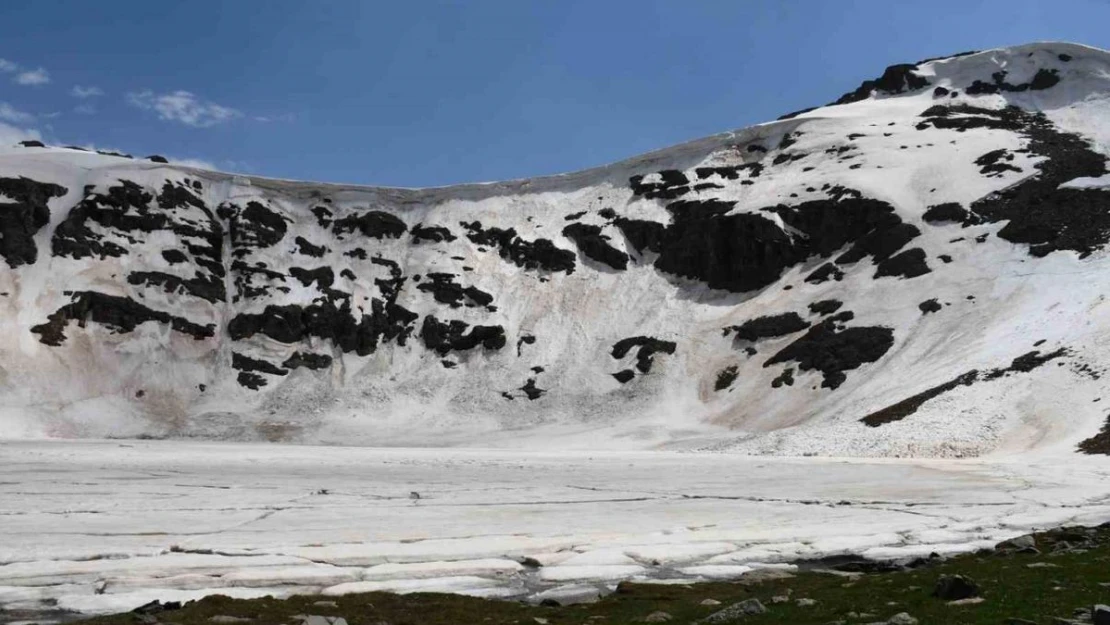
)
(902, 618)
(747, 607)
(710, 602)
(759, 576)
(325, 604)
(312, 619)
(658, 617)
(1100, 614)
(968, 601)
(1021, 542)
(805, 602)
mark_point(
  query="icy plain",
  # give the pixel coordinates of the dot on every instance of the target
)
(103, 526)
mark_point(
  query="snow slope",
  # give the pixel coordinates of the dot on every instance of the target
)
(956, 210)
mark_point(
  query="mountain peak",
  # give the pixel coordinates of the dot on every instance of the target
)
(1007, 72)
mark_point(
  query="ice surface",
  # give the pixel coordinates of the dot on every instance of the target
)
(258, 521)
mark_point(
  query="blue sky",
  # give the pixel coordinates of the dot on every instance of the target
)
(431, 92)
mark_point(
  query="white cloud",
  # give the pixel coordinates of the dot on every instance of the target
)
(33, 77)
(284, 117)
(183, 107)
(7, 66)
(85, 92)
(84, 109)
(10, 135)
(192, 162)
(9, 113)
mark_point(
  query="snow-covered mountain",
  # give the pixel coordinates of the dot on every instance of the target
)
(918, 268)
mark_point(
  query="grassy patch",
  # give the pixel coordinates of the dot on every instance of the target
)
(1069, 569)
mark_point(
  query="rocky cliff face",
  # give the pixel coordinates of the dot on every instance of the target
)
(918, 268)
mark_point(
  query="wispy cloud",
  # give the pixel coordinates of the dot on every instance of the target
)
(284, 117)
(183, 107)
(10, 135)
(84, 109)
(85, 92)
(33, 77)
(11, 114)
(192, 162)
(7, 66)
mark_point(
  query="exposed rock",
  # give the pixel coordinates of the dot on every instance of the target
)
(304, 246)
(825, 307)
(307, 360)
(437, 234)
(595, 246)
(642, 235)
(22, 218)
(445, 290)
(445, 337)
(832, 351)
(538, 254)
(120, 314)
(908, 264)
(256, 226)
(373, 224)
(648, 347)
(325, 320)
(895, 79)
(624, 376)
(725, 378)
(768, 327)
(929, 306)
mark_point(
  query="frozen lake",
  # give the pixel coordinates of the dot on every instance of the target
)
(109, 525)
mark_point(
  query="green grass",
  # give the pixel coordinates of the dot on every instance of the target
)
(1010, 588)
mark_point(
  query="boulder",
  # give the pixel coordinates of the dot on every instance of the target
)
(953, 587)
(747, 607)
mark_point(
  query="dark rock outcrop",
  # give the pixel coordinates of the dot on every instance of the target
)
(445, 337)
(595, 245)
(120, 314)
(832, 350)
(21, 218)
(769, 326)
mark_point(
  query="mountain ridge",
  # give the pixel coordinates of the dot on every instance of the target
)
(371, 315)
